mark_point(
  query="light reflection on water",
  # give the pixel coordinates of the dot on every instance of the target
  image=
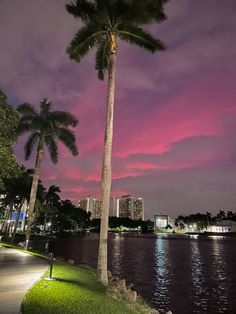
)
(219, 275)
(117, 254)
(162, 276)
(199, 292)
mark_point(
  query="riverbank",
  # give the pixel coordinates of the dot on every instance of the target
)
(206, 234)
(74, 289)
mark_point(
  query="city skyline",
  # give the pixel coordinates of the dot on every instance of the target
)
(175, 111)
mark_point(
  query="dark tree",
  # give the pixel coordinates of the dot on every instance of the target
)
(45, 128)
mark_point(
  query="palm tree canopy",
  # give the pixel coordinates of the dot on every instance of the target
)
(105, 20)
(45, 127)
(52, 197)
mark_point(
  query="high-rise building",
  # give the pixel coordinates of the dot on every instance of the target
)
(128, 207)
(91, 204)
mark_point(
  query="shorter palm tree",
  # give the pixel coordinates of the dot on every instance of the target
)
(45, 128)
(50, 201)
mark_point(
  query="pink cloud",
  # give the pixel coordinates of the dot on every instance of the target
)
(93, 177)
(141, 166)
(184, 116)
(72, 174)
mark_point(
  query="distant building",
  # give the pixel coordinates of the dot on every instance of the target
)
(10, 221)
(162, 221)
(223, 226)
(91, 204)
(128, 207)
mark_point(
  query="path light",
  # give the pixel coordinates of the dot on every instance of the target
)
(51, 255)
(50, 260)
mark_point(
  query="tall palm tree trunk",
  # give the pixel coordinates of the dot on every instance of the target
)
(106, 174)
(33, 194)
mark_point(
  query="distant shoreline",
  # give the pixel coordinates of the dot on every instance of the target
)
(228, 234)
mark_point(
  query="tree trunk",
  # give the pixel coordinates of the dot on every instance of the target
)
(106, 174)
(45, 224)
(17, 219)
(6, 218)
(8, 225)
(33, 194)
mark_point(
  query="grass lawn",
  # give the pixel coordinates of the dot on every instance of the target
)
(75, 290)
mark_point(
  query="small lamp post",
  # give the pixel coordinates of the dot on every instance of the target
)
(51, 257)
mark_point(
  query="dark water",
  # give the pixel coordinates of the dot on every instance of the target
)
(177, 273)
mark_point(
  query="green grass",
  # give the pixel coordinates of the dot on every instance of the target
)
(74, 290)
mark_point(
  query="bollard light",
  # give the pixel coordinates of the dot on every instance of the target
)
(51, 256)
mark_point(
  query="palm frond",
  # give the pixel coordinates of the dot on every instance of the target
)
(155, 9)
(27, 109)
(53, 189)
(51, 196)
(81, 8)
(140, 11)
(45, 127)
(40, 124)
(26, 118)
(67, 137)
(138, 36)
(53, 150)
(45, 107)
(23, 127)
(102, 61)
(63, 118)
(31, 142)
(84, 40)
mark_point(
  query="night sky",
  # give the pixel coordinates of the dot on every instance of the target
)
(175, 111)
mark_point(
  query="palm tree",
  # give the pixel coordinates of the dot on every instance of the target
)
(51, 199)
(104, 21)
(45, 128)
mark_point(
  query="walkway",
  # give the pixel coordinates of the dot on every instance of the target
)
(18, 272)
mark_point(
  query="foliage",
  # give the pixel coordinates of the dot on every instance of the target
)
(116, 222)
(75, 290)
(17, 187)
(105, 20)
(203, 220)
(69, 217)
(17, 190)
(8, 125)
(48, 207)
(9, 121)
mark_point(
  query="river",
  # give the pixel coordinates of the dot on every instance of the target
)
(184, 274)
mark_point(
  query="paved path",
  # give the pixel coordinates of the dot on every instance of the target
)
(18, 272)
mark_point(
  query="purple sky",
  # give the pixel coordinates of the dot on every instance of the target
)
(175, 111)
